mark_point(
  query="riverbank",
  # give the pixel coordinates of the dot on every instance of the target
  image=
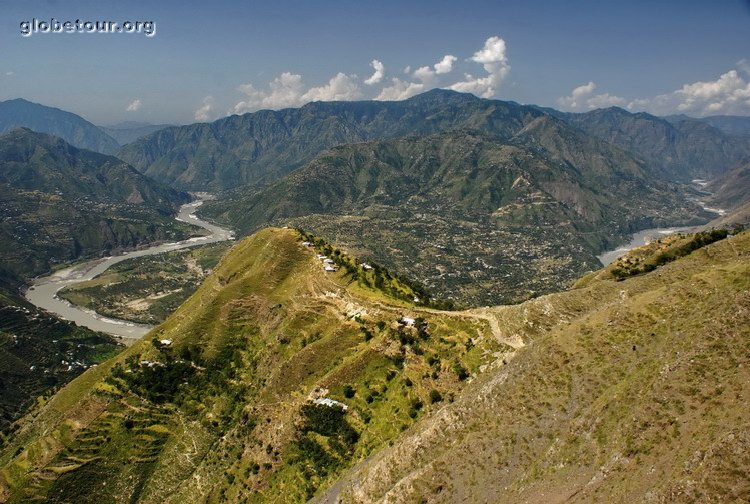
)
(639, 239)
(43, 291)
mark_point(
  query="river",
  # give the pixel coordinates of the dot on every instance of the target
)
(43, 291)
(639, 239)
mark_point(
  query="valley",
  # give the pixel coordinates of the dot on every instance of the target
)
(43, 293)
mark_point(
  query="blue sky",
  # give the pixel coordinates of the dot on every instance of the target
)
(207, 60)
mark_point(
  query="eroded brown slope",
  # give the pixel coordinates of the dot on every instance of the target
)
(642, 399)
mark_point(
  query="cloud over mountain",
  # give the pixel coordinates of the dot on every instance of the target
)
(289, 90)
(728, 94)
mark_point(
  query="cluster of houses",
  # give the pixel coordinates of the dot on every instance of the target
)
(318, 397)
(328, 264)
(331, 403)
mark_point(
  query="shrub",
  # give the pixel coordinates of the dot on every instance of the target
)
(461, 372)
(435, 396)
(349, 391)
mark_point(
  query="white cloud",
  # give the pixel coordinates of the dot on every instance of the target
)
(576, 96)
(206, 111)
(284, 91)
(400, 90)
(582, 98)
(379, 73)
(425, 74)
(407, 69)
(288, 90)
(445, 65)
(341, 87)
(134, 106)
(10, 73)
(729, 94)
(493, 59)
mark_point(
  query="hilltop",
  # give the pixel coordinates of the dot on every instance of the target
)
(276, 378)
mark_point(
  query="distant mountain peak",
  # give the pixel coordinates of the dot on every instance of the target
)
(70, 127)
(443, 94)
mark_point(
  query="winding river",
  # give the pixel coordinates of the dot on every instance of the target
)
(639, 239)
(43, 291)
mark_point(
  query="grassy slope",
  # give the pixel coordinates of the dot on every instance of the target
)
(640, 397)
(265, 330)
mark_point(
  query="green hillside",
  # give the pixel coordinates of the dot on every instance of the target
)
(226, 412)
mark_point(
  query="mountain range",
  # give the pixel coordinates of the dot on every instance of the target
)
(260, 147)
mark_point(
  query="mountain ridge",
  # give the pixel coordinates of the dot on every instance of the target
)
(74, 129)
